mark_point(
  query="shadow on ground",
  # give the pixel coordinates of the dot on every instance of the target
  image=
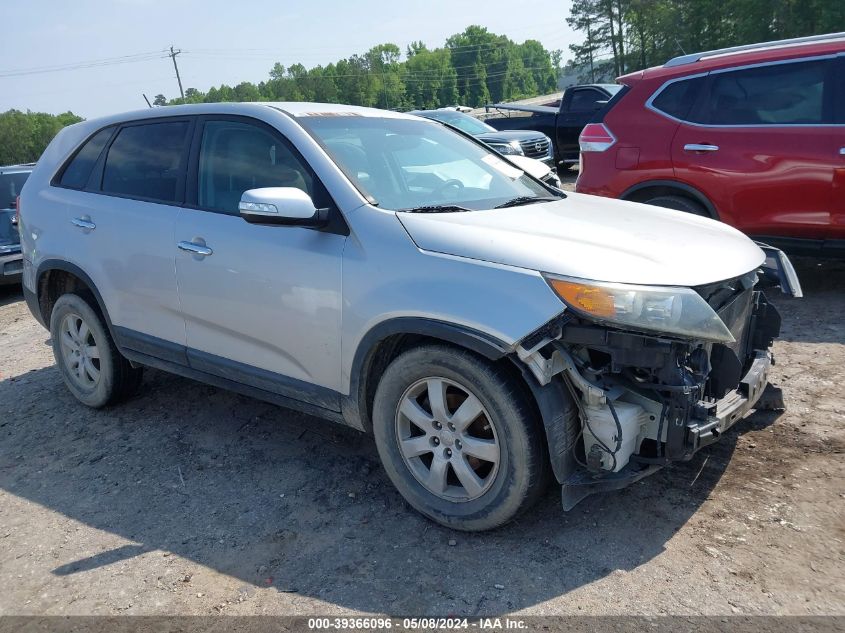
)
(817, 317)
(279, 499)
(10, 293)
(276, 498)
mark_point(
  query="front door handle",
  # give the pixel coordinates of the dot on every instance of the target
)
(84, 223)
(197, 249)
(700, 147)
(842, 151)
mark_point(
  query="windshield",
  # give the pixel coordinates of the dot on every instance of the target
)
(405, 164)
(463, 122)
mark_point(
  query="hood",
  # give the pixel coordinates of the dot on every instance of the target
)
(593, 238)
(506, 136)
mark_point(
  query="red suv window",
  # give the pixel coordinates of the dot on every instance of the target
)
(775, 94)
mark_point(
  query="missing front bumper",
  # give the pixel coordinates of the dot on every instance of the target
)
(697, 434)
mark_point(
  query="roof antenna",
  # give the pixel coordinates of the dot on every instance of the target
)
(683, 52)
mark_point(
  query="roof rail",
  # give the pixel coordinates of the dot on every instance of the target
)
(694, 57)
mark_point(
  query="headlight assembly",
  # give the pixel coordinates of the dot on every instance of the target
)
(669, 310)
(508, 148)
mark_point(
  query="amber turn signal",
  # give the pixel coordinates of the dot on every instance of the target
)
(590, 299)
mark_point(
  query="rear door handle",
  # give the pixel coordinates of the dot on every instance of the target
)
(197, 249)
(842, 151)
(700, 147)
(84, 223)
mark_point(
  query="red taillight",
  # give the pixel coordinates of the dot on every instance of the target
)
(18, 210)
(595, 137)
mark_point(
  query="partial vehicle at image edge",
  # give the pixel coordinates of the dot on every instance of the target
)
(752, 135)
(12, 178)
(361, 265)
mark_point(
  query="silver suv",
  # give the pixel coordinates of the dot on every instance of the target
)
(385, 272)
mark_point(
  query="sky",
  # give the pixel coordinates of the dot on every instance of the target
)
(124, 42)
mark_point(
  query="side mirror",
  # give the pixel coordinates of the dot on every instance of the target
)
(281, 205)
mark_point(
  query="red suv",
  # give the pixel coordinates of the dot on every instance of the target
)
(753, 136)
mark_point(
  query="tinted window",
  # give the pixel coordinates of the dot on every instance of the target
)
(76, 174)
(586, 100)
(235, 157)
(677, 98)
(783, 94)
(144, 161)
(10, 188)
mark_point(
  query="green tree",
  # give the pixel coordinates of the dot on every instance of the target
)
(635, 34)
(25, 135)
(475, 66)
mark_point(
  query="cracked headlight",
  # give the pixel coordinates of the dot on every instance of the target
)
(669, 310)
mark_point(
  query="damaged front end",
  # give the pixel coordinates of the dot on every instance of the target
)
(646, 398)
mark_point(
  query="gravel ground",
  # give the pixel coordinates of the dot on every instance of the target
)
(193, 500)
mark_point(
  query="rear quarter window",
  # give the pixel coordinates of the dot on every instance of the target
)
(78, 170)
(677, 98)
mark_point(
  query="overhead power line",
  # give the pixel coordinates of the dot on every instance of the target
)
(96, 63)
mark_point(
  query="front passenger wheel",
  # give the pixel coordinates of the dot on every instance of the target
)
(458, 438)
(93, 369)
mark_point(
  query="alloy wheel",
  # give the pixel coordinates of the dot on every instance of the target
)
(447, 439)
(80, 352)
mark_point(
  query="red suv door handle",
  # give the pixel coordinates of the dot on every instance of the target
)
(700, 147)
(842, 151)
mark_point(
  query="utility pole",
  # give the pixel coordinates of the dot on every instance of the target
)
(173, 55)
(589, 46)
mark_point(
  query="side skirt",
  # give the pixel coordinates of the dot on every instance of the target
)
(231, 385)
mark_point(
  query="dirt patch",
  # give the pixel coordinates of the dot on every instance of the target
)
(192, 500)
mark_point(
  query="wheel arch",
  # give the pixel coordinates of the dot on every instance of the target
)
(55, 277)
(638, 193)
(552, 403)
(386, 340)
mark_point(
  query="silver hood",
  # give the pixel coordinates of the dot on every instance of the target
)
(593, 238)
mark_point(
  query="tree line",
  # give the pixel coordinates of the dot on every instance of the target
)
(473, 68)
(24, 135)
(623, 36)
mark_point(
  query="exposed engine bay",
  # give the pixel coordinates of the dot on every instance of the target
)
(645, 400)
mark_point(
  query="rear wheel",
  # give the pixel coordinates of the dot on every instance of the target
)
(93, 369)
(678, 203)
(458, 438)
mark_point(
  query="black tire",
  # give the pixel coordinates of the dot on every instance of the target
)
(678, 203)
(522, 470)
(116, 378)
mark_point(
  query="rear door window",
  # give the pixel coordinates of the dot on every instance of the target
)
(587, 100)
(147, 161)
(79, 169)
(797, 93)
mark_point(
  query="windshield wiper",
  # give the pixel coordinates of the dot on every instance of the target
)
(520, 200)
(436, 208)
